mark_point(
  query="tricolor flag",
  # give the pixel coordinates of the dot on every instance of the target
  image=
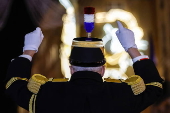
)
(89, 19)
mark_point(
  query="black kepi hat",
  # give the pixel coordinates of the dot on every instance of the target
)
(87, 52)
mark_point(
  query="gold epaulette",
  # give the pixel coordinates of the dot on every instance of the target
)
(12, 80)
(34, 85)
(35, 82)
(137, 84)
(113, 80)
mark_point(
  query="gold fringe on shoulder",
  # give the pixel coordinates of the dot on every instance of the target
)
(34, 85)
(35, 82)
(137, 84)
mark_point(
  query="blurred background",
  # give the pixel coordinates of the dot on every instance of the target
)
(63, 20)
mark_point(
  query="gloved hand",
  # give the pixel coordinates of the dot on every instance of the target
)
(126, 37)
(33, 40)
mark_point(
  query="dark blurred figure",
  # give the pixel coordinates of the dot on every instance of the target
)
(18, 17)
(15, 22)
(163, 104)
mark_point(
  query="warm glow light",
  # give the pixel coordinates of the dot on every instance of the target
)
(117, 54)
(68, 33)
(118, 14)
(116, 74)
(112, 44)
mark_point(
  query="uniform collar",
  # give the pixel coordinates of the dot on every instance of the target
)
(86, 75)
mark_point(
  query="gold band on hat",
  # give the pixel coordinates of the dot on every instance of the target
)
(90, 44)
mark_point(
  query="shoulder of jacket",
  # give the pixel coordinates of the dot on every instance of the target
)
(135, 82)
(37, 80)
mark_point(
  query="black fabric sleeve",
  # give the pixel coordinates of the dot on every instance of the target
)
(18, 91)
(149, 73)
(147, 70)
(137, 103)
(19, 67)
(146, 98)
(134, 103)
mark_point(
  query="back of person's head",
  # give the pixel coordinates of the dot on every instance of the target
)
(87, 54)
(94, 69)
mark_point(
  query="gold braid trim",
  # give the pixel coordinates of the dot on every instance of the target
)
(58, 79)
(137, 84)
(157, 84)
(12, 80)
(113, 80)
(32, 103)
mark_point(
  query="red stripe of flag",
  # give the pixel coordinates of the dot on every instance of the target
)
(89, 10)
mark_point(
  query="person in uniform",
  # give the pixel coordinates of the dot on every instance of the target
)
(86, 91)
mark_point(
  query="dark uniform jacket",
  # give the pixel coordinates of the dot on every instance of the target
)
(85, 92)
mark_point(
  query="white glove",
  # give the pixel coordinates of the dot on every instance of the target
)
(33, 40)
(126, 37)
